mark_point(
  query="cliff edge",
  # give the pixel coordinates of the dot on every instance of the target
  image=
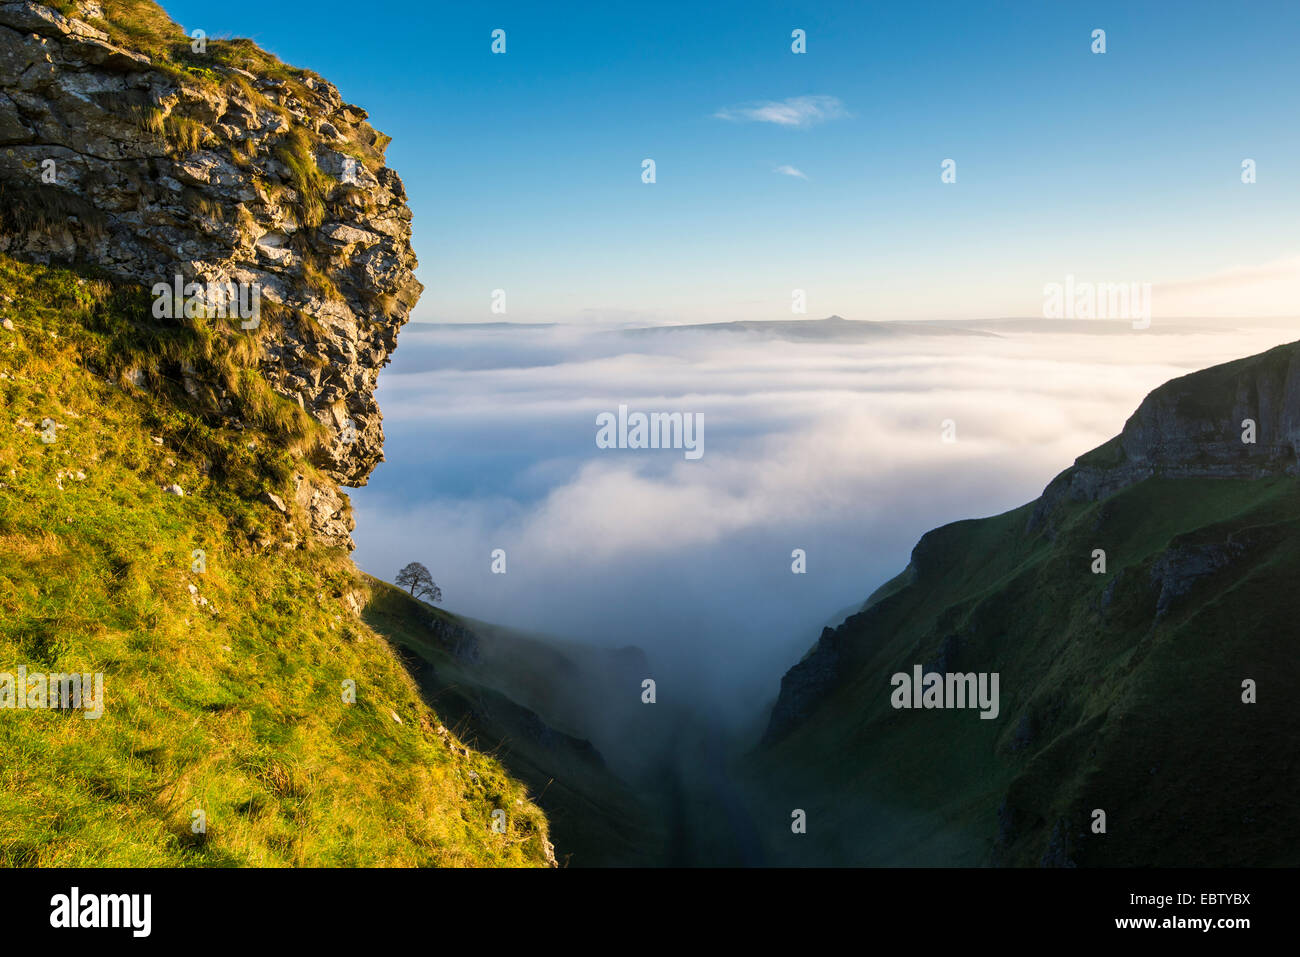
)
(1130, 614)
(129, 146)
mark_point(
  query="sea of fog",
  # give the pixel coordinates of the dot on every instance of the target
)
(835, 446)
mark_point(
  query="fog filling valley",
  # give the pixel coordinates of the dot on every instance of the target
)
(832, 446)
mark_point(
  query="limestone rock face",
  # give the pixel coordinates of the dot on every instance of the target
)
(806, 685)
(268, 180)
(1193, 427)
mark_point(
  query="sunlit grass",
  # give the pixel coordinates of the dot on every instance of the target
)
(227, 700)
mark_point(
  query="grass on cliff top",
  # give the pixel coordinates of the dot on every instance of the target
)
(145, 27)
(222, 685)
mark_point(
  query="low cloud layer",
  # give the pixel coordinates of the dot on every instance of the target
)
(833, 448)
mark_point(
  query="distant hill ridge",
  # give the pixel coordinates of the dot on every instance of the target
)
(830, 328)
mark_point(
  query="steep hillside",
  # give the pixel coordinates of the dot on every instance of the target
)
(143, 539)
(533, 704)
(1120, 690)
(204, 264)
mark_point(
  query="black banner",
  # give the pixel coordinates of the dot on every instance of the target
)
(335, 907)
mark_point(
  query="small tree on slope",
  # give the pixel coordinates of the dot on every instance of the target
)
(416, 579)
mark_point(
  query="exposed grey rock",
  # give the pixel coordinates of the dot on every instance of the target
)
(355, 602)
(328, 511)
(1191, 427)
(460, 642)
(147, 211)
(806, 685)
(1177, 569)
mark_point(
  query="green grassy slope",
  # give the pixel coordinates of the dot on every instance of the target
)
(530, 702)
(1110, 699)
(222, 687)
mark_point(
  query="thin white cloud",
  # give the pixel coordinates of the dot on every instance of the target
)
(796, 111)
(790, 171)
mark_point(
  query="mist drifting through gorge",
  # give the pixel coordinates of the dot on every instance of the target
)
(834, 447)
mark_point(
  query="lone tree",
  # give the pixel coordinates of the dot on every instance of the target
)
(416, 579)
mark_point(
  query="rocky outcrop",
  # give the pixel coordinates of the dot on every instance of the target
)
(461, 643)
(1192, 427)
(806, 685)
(152, 167)
(1177, 570)
(1179, 567)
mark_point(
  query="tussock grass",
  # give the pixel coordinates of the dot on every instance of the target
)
(318, 280)
(183, 134)
(311, 185)
(144, 26)
(242, 153)
(46, 209)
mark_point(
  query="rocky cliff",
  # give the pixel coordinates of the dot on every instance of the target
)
(1130, 613)
(1179, 432)
(125, 144)
(1189, 428)
(804, 685)
(167, 477)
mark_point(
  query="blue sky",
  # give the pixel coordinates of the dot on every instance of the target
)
(524, 169)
